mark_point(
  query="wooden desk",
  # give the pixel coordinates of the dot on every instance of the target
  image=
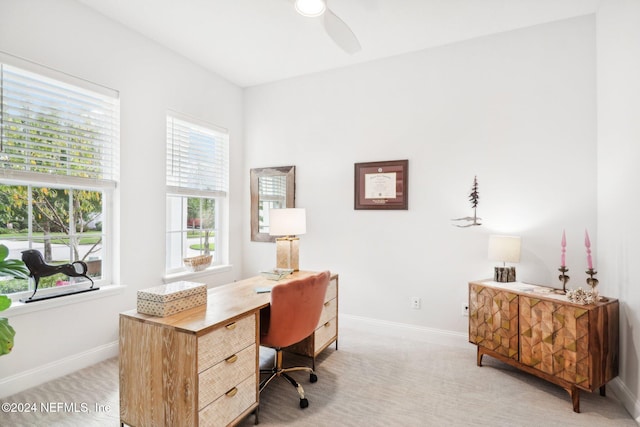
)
(199, 367)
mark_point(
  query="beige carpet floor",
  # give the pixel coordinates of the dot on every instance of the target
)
(372, 380)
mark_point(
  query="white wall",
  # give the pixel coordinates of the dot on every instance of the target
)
(517, 109)
(618, 52)
(69, 37)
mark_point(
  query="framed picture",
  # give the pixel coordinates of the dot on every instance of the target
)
(382, 185)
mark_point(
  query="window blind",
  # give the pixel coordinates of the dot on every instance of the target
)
(54, 128)
(272, 188)
(197, 158)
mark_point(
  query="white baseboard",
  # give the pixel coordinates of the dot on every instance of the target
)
(436, 336)
(628, 400)
(24, 380)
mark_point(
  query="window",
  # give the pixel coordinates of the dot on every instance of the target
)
(58, 172)
(197, 187)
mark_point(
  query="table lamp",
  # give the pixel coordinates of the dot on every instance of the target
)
(505, 249)
(287, 222)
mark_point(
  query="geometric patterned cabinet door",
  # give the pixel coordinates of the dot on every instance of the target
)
(571, 345)
(493, 319)
(555, 339)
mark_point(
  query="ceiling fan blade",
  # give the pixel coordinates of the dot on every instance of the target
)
(340, 32)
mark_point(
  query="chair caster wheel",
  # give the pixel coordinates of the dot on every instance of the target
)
(313, 378)
(304, 403)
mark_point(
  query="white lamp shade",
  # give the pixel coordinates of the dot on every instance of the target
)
(504, 248)
(287, 222)
(310, 7)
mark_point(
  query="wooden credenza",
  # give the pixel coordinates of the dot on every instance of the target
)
(200, 367)
(532, 328)
(326, 332)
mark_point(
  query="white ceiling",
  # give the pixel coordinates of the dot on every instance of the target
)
(250, 42)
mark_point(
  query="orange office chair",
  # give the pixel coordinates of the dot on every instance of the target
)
(294, 314)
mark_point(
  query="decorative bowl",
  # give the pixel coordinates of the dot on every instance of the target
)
(198, 263)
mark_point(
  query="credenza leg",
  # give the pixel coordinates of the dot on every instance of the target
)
(603, 390)
(574, 392)
(479, 357)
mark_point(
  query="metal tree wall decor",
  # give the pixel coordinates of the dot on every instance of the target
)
(474, 196)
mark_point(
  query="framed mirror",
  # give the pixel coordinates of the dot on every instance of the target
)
(271, 188)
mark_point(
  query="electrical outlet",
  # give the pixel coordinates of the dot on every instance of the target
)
(415, 303)
(465, 308)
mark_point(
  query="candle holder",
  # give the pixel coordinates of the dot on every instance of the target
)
(563, 278)
(592, 281)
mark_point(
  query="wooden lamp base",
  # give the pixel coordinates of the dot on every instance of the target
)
(504, 274)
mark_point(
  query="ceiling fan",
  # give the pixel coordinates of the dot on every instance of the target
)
(335, 27)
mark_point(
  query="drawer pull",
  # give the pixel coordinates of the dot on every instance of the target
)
(231, 359)
(326, 325)
(327, 304)
(231, 326)
(232, 392)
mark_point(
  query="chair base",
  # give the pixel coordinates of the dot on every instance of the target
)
(279, 371)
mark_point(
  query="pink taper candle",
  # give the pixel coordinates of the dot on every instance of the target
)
(564, 249)
(587, 243)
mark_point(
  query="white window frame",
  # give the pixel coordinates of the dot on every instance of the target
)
(106, 184)
(188, 182)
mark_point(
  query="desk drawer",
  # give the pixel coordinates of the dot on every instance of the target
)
(332, 290)
(222, 377)
(230, 405)
(329, 311)
(325, 333)
(226, 341)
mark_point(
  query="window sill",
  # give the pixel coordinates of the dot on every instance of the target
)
(18, 308)
(189, 275)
